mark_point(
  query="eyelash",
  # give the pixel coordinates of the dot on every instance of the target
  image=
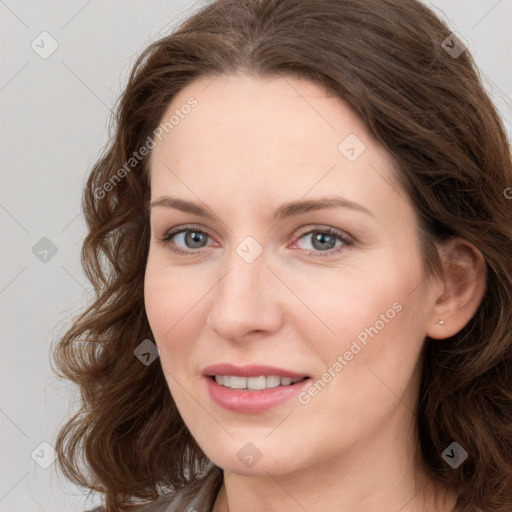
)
(347, 242)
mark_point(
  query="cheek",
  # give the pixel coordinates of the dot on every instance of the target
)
(174, 301)
(169, 294)
(380, 333)
(370, 319)
(344, 305)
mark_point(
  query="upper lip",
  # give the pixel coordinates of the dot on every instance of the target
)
(253, 370)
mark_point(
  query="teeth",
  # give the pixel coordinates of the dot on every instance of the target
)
(257, 382)
(254, 383)
(237, 382)
(273, 381)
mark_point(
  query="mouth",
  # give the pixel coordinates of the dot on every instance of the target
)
(253, 388)
(258, 383)
(255, 393)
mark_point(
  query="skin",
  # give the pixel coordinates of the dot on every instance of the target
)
(250, 145)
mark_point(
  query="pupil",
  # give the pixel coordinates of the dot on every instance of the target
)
(321, 238)
(194, 237)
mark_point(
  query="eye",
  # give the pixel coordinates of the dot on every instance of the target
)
(190, 235)
(193, 238)
(323, 240)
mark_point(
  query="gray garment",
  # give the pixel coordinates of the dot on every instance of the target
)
(201, 496)
(197, 497)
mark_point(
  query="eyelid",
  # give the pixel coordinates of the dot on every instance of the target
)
(347, 239)
(343, 235)
(186, 227)
(170, 233)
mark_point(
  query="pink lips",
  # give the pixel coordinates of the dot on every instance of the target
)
(251, 401)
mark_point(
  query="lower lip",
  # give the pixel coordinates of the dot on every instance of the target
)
(252, 401)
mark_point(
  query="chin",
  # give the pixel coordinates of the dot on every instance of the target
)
(249, 462)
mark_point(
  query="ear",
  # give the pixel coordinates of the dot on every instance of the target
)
(456, 296)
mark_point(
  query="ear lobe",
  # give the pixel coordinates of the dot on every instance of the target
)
(462, 289)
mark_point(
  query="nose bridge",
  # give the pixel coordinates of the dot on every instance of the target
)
(246, 265)
(245, 298)
(247, 275)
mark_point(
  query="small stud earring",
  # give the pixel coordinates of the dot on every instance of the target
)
(441, 322)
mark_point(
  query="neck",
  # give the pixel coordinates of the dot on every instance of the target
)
(376, 476)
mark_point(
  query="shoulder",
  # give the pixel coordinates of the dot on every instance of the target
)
(197, 495)
(127, 508)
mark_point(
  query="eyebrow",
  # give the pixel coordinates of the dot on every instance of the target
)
(288, 209)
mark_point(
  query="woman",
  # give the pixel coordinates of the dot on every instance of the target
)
(306, 300)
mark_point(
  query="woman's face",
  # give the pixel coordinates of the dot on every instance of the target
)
(337, 294)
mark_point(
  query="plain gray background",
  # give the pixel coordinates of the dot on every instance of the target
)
(55, 113)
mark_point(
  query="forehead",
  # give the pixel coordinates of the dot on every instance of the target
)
(268, 138)
(290, 118)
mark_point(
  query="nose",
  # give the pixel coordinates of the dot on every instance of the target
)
(248, 298)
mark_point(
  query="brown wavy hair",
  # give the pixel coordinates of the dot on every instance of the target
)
(386, 59)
